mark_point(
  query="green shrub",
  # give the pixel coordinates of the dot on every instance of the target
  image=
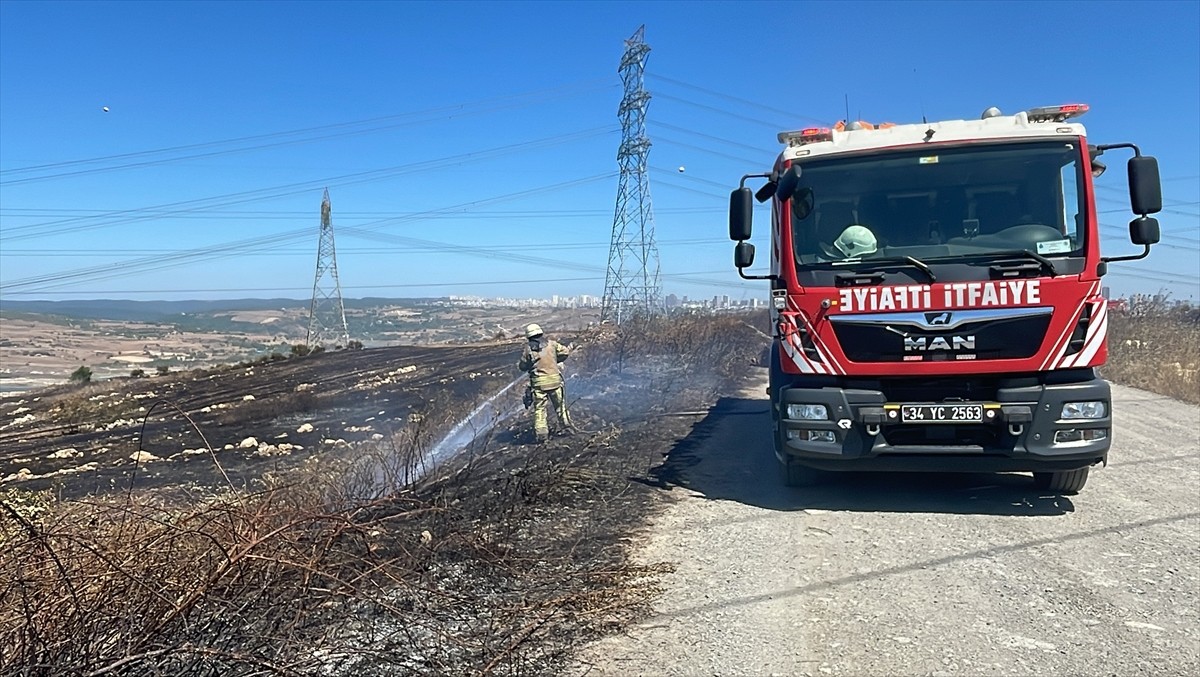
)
(82, 375)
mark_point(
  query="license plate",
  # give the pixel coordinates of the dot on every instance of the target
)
(941, 413)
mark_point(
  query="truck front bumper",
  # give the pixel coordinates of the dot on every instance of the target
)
(1023, 432)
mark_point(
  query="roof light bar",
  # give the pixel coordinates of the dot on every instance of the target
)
(810, 135)
(1057, 113)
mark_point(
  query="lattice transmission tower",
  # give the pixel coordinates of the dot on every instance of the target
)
(327, 314)
(632, 284)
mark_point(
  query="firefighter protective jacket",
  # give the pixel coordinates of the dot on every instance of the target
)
(541, 360)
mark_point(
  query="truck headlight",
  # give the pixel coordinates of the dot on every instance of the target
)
(1083, 410)
(807, 412)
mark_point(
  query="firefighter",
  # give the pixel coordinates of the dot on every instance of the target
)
(542, 359)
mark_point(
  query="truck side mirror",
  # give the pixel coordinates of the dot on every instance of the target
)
(1145, 189)
(743, 255)
(741, 214)
(788, 183)
(1144, 230)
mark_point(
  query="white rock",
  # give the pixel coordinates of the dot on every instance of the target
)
(305, 428)
(69, 452)
(19, 476)
(86, 467)
(1143, 626)
(143, 457)
(247, 398)
(248, 443)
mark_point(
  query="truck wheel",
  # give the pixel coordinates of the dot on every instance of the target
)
(1065, 481)
(775, 381)
(795, 475)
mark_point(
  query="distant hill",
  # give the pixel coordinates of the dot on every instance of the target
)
(125, 310)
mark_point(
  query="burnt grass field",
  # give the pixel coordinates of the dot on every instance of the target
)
(187, 550)
(191, 428)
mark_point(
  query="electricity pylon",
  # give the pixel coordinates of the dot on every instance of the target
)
(632, 284)
(327, 314)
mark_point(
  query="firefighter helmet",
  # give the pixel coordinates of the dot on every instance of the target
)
(855, 241)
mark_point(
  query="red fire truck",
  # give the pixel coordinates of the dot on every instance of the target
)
(935, 295)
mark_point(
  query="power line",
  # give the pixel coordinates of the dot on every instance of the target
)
(710, 151)
(457, 109)
(720, 111)
(246, 247)
(710, 137)
(122, 217)
(515, 247)
(290, 215)
(1155, 278)
(1169, 245)
(729, 97)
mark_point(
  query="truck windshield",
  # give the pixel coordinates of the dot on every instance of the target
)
(941, 204)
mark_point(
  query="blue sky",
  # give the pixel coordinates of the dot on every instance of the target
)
(470, 148)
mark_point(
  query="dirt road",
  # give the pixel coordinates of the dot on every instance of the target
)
(922, 574)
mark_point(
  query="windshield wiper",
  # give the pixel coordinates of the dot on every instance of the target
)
(1025, 254)
(870, 263)
(997, 260)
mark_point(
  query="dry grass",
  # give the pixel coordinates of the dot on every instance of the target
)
(90, 403)
(725, 345)
(1155, 344)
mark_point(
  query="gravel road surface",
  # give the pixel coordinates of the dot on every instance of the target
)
(921, 574)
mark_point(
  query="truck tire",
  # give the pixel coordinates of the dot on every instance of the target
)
(775, 381)
(1065, 481)
(795, 475)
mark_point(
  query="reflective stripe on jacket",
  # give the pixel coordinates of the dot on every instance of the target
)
(545, 372)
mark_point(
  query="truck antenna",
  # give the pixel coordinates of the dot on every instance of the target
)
(847, 109)
(920, 96)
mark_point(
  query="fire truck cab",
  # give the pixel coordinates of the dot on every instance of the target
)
(936, 295)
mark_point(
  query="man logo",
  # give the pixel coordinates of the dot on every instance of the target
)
(937, 319)
(926, 343)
